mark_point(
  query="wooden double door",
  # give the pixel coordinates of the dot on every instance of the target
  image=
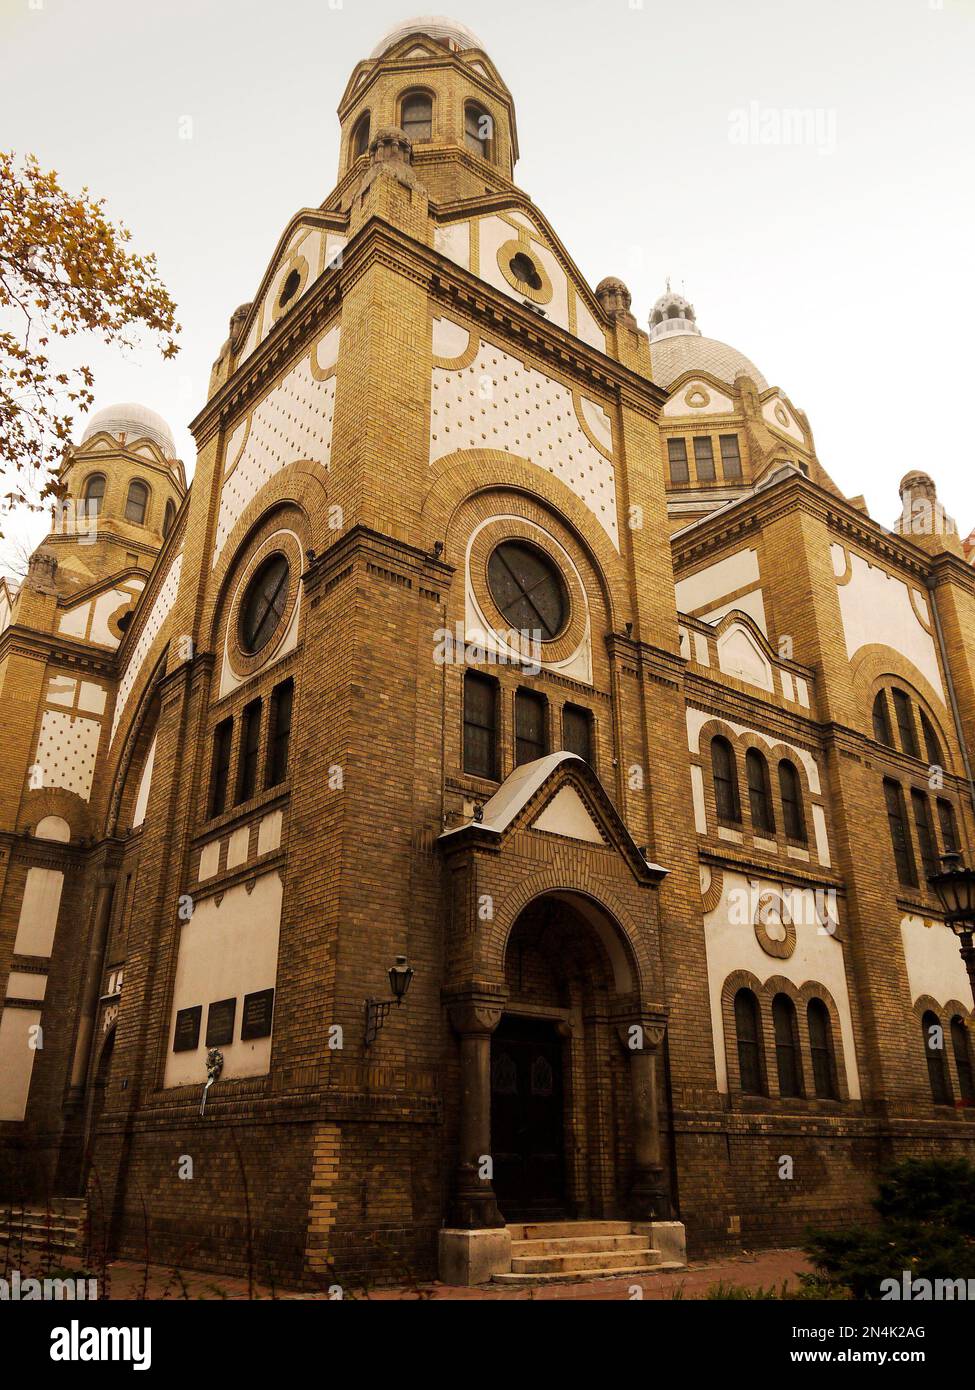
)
(528, 1119)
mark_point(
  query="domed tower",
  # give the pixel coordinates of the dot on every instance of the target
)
(122, 486)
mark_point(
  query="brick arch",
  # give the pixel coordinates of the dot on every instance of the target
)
(812, 989)
(773, 754)
(302, 484)
(236, 552)
(462, 475)
(619, 924)
(36, 805)
(741, 979)
(874, 667)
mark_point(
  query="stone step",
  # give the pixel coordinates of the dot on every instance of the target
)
(72, 1208)
(568, 1245)
(593, 1262)
(558, 1230)
(579, 1276)
(17, 1240)
(54, 1228)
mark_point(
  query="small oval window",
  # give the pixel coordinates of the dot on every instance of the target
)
(289, 288)
(523, 269)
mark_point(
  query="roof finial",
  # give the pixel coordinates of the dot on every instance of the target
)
(668, 284)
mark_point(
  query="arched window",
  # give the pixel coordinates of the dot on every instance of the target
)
(748, 1033)
(360, 136)
(759, 792)
(932, 744)
(786, 1029)
(725, 775)
(790, 789)
(95, 493)
(949, 827)
(906, 731)
(881, 720)
(169, 516)
(480, 724)
(478, 130)
(136, 502)
(416, 116)
(963, 1059)
(821, 1050)
(925, 832)
(900, 837)
(934, 1052)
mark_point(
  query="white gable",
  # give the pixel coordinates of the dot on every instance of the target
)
(567, 814)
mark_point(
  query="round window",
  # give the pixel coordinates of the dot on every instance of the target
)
(528, 589)
(289, 288)
(523, 269)
(264, 604)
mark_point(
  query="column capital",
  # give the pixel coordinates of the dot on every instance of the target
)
(651, 1020)
(476, 1010)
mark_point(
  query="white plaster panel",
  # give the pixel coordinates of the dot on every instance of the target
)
(566, 814)
(753, 604)
(788, 688)
(772, 409)
(493, 232)
(238, 847)
(599, 423)
(802, 691)
(526, 414)
(293, 422)
(74, 623)
(66, 750)
(227, 950)
(454, 242)
(587, 328)
(158, 614)
(92, 697)
(822, 839)
(449, 339)
(716, 402)
(700, 806)
(23, 984)
(145, 782)
(209, 860)
(105, 605)
(684, 641)
(732, 945)
(39, 912)
(739, 655)
(877, 609)
(16, 1060)
(701, 654)
(934, 964)
(709, 585)
(269, 833)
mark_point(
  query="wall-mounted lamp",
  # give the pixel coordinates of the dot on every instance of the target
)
(400, 978)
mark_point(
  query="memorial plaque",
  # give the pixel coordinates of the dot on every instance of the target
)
(186, 1037)
(258, 1011)
(220, 1022)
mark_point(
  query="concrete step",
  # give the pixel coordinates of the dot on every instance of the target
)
(593, 1262)
(580, 1276)
(568, 1245)
(563, 1230)
(26, 1241)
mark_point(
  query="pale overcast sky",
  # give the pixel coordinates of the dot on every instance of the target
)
(842, 266)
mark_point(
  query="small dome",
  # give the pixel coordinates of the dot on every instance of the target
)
(435, 26)
(135, 422)
(672, 313)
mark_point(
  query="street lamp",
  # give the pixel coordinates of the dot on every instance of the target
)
(400, 976)
(955, 887)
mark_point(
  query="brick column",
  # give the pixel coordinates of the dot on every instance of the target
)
(642, 1035)
(475, 1014)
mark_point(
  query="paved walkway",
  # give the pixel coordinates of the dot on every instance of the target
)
(124, 1279)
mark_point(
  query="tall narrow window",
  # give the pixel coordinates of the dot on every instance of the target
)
(417, 116)
(934, 1052)
(905, 722)
(899, 836)
(881, 720)
(730, 458)
(790, 789)
(821, 1050)
(169, 516)
(949, 829)
(748, 1035)
(925, 832)
(250, 748)
(529, 727)
(136, 502)
(223, 736)
(360, 136)
(932, 744)
(95, 493)
(963, 1059)
(577, 731)
(759, 792)
(677, 456)
(279, 735)
(480, 725)
(704, 459)
(725, 774)
(786, 1030)
(478, 130)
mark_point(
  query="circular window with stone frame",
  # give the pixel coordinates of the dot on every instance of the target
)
(264, 602)
(528, 590)
(524, 271)
(263, 608)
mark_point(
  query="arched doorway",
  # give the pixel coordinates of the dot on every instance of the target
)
(567, 1107)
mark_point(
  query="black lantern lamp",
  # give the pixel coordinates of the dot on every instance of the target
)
(400, 978)
(955, 887)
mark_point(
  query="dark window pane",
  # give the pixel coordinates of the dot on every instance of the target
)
(279, 737)
(925, 832)
(677, 455)
(730, 458)
(136, 503)
(360, 136)
(934, 1052)
(250, 747)
(881, 720)
(899, 837)
(577, 731)
(790, 789)
(725, 775)
(169, 516)
(264, 604)
(529, 727)
(748, 1035)
(786, 1045)
(478, 130)
(949, 831)
(932, 744)
(759, 792)
(963, 1059)
(905, 722)
(704, 459)
(821, 1050)
(95, 493)
(220, 765)
(417, 116)
(480, 725)
(528, 590)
